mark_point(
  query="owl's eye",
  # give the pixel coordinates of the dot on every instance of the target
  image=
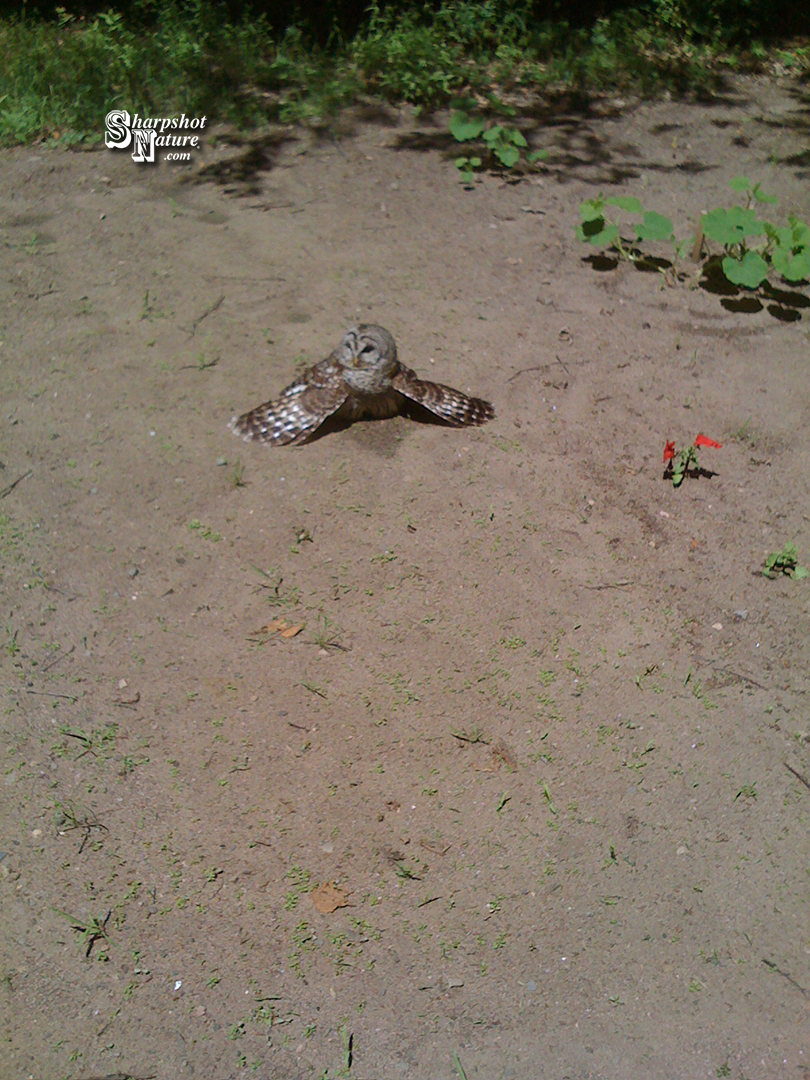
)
(366, 350)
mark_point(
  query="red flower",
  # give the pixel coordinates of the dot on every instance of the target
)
(704, 440)
(669, 451)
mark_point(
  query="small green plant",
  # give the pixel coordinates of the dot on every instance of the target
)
(205, 531)
(475, 735)
(787, 248)
(599, 229)
(12, 648)
(467, 167)
(90, 930)
(67, 819)
(328, 634)
(405, 872)
(149, 309)
(203, 363)
(747, 791)
(784, 249)
(238, 474)
(97, 743)
(503, 145)
(785, 562)
(678, 464)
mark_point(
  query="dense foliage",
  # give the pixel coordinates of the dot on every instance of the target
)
(64, 68)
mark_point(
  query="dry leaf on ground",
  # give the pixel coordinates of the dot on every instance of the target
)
(328, 897)
(281, 626)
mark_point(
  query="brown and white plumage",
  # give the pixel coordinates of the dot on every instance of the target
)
(361, 378)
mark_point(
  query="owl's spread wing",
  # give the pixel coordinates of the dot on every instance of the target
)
(299, 409)
(443, 401)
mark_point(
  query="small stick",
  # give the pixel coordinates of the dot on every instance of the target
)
(208, 311)
(8, 490)
(615, 585)
(56, 659)
(522, 371)
(798, 775)
(47, 693)
(785, 975)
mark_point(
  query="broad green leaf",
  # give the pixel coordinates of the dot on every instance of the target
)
(517, 137)
(801, 232)
(537, 155)
(493, 135)
(507, 155)
(741, 183)
(801, 572)
(464, 128)
(749, 271)
(731, 226)
(461, 162)
(596, 236)
(475, 162)
(592, 210)
(654, 227)
(626, 202)
(761, 197)
(781, 235)
(792, 267)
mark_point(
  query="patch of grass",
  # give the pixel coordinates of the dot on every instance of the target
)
(90, 931)
(238, 474)
(55, 72)
(328, 634)
(12, 648)
(475, 735)
(68, 819)
(149, 309)
(405, 872)
(747, 791)
(205, 531)
(98, 742)
(205, 364)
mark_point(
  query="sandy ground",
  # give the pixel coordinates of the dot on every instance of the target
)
(543, 737)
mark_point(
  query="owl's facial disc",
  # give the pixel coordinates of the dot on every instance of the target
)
(366, 348)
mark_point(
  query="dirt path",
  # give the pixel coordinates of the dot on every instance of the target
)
(545, 727)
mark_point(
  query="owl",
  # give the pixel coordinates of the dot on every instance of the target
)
(362, 378)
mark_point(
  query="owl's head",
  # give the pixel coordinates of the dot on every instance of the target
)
(367, 348)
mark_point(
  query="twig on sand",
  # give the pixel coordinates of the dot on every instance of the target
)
(11, 486)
